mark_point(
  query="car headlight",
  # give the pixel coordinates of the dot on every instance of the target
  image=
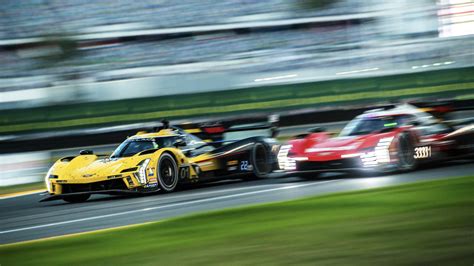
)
(379, 154)
(368, 157)
(46, 179)
(285, 162)
(382, 151)
(141, 174)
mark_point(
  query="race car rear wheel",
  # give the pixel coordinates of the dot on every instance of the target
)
(77, 198)
(406, 152)
(260, 161)
(167, 172)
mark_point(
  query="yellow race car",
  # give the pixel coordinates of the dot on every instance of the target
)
(160, 160)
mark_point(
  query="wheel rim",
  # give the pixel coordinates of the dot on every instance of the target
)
(167, 173)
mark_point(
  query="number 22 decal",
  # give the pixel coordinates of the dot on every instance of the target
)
(244, 165)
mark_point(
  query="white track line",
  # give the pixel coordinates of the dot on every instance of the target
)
(198, 193)
(173, 197)
(163, 207)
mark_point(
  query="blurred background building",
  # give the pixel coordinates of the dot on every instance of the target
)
(55, 51)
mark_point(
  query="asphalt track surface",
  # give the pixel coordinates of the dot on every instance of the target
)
(24, 218)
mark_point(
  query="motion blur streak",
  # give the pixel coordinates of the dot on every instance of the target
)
(163, 207)
(82, 51)
(85, 75)
(61, 219)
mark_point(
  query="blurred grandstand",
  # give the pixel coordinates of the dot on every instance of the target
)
(42, 17)
(47, 43)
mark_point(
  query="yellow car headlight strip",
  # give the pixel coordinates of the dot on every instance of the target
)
(141, 174)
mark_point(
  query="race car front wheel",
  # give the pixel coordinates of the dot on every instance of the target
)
(406, 152)
(76, 198)
(260, 161)
(167, 172)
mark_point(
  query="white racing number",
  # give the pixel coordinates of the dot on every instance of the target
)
(244, 165)
(422, 152)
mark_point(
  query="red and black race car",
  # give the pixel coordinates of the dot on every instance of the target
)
(381, 140)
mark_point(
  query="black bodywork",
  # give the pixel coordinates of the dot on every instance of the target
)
(253, 156)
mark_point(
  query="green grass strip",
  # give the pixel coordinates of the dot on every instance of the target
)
(21, 188)
(427, 223)
(283, 103)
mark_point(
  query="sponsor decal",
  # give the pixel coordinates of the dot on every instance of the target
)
(153, 180)
(114, 176)
(88, 175)
(232, 168)
(325, 153)
(151, 171)
(333, 149)
(61, 181)
(233, 162)
(208, 163)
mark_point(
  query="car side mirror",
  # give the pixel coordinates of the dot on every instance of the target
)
(86, 152)
(180, 143)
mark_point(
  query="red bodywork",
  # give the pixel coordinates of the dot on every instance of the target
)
(379, 150)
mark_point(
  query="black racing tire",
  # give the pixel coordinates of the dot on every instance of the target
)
(261, 161)
(167, 172)
(77, 198)
(406, 153)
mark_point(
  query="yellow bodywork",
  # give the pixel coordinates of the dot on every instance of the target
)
(88, 169)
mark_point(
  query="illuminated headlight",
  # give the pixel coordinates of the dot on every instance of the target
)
(380, 154)
(141, 174)
(283, 160)
(46, 179)
(351, 155)
(382, 150)
(369, 159)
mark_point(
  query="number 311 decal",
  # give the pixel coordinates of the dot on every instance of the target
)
(422, 152)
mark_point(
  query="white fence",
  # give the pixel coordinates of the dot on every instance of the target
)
(22, 168)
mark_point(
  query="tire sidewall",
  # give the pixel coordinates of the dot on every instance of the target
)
(403, 164)
(256, 171)
(167, 156)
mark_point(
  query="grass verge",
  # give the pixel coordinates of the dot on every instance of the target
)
(4, 191)
(241, 107)
(421, 224)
